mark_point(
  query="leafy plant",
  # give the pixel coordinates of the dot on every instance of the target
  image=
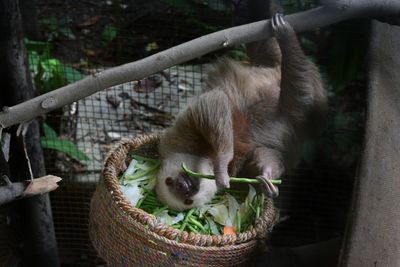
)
(52, 141)
(239, 53)
(109, 33)
(58, 28)
(48, 73)
(195, 7)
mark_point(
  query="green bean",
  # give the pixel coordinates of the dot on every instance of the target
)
(142, 158)
(257, 212)
(192, 229)
(149, 192)
(146, 207)
(234, 191)
(139, 203)
(141, 174)
(186, 219)
(153, 201)
(232, 179)
(172, 212)
(159, 210)
(195, 222)
(238, 222)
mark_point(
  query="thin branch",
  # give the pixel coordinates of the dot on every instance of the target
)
(332, 12)
(19, 190)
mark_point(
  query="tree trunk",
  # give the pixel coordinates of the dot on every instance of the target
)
(29, 18)
(373, 234)
(34, 215)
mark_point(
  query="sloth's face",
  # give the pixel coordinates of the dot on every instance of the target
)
(178, 190)
(184, 187)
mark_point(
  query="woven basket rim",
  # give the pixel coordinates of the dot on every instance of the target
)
(112, 167)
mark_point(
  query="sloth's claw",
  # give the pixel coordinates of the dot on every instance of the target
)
(222, 180)
(278, 22)
(269, 189)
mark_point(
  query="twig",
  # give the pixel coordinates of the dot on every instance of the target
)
(332, 12)
(19, 190)
(147, 107)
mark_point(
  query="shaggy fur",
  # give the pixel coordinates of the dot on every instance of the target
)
(250, 117)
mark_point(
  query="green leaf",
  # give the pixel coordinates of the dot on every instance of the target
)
(72, 75)
(151, 46)
(109, 33)
(38, 46)
(51, 22)
(53, 74)
(51, 66)
(64, 146)
(67, 32)
(34, 61)
(218, 5)
(49, 132)
(239, 53)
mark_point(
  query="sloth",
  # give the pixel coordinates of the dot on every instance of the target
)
(250, 119)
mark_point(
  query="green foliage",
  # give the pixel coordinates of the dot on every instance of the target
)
(52, 141)
(109, 33)
(218, 5)
(49, 132)
(200, 24)
(57, 28)
(48, 73)
(151, 47)
(239, 53)
(194, 8)
(38, 46)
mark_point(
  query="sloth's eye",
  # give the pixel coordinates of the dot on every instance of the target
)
(169, 181)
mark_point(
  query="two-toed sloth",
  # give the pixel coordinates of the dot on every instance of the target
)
(251, 118)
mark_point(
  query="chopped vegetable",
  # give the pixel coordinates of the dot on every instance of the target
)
(229, 230)
(232, 179)
(229, 212)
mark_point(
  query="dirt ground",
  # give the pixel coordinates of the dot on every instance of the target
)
(114, 32)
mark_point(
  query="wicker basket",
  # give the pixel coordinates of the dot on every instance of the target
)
(127, 236)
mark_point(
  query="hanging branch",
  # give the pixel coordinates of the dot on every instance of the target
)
(331, 12)
(19, 190)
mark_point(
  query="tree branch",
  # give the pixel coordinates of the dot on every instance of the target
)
(19, 190)
(332, 12)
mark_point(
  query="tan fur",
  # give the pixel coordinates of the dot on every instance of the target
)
(244, 119)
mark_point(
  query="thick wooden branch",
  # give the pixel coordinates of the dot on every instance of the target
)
(19, 190)
(331, 12)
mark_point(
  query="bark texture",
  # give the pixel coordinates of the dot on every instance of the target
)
(33, 216)
(373, 234)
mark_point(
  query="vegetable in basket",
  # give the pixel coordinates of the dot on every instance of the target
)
(229, 212)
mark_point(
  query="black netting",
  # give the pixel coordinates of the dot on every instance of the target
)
(82, 37)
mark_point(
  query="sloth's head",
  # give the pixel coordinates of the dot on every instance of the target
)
(178, 190)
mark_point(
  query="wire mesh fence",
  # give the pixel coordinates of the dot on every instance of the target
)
(82, 37)
(94, 36)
